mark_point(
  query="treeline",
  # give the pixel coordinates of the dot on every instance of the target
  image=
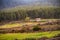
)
(32, 13)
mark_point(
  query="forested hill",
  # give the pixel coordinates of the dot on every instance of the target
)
(20, 9)
(34, 12)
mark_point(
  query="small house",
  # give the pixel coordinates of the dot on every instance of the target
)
(38, 19)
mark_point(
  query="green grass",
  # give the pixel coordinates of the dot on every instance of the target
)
(10, 25)
(20, 36)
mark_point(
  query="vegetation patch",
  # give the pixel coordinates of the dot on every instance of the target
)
(18, 36)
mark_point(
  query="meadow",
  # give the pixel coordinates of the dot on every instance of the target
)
(22, 36)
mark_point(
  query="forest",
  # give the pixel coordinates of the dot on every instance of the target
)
(21, 14)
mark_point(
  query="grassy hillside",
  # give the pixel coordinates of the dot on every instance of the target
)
(20, 23)
(16, 24)
(21, 36)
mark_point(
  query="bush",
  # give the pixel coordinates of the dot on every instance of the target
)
(36, 28)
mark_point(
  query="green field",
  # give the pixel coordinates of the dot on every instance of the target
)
(10, 25)
(21, 36)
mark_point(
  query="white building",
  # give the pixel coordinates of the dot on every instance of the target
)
(38, 19)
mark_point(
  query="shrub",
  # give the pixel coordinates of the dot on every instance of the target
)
(36, 28)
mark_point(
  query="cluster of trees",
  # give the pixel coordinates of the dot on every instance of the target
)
(32, 13)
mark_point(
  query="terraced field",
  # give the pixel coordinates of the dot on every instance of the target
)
(21, 36)
(18, 23)
(51, 30)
